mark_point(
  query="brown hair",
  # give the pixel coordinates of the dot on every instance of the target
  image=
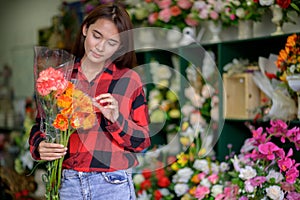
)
(116, 13)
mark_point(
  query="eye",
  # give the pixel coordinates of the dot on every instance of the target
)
(112, 43)
(97, 35)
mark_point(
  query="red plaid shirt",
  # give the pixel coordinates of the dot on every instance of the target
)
(107, 146)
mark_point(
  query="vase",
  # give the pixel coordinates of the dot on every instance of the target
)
(215, 27)
(245, 29)
(277, 19)
(294, 84)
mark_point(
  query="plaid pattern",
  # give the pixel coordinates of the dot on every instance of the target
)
(107, 146)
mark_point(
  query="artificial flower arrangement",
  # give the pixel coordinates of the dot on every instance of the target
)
(286, 5)
(242, 10)
(62, 107)
(169, 13)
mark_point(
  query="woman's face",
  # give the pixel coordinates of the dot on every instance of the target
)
(102, 40)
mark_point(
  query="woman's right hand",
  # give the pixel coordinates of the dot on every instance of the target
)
(51, 151)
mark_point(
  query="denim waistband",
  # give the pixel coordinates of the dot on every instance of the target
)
(74, 173)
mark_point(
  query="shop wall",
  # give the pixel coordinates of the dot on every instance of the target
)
(20, 21)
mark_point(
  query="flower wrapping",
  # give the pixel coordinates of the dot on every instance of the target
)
(62, 107)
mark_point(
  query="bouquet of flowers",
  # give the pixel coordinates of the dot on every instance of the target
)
(242, 10)
(62, 107)
(169, 13)
(288, 61)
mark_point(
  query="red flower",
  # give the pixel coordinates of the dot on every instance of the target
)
(163, 182)
(146, 184)
(157, 195)
(283, 3)
(146, 173)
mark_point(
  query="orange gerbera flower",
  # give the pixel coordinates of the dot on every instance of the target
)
(61, 122)
(64, 101)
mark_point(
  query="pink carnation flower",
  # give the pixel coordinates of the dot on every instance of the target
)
(50, 80)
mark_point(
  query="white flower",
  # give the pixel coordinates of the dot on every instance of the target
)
(138, 179)
(181, 189)
(266, 2)
(164, 191)
(274, 192)
(240, 13)
(144, 196)
(205, 182)
(184, 174)
(247, 173)
(224, 166)
(214, 168)
(207, 91)
(276, 175)
(201, 165)
(216, 189)
(187, 109)
(214, 113)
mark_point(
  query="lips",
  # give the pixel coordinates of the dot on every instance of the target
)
(96, 55)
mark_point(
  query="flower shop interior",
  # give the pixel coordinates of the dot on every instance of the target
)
(221, 84)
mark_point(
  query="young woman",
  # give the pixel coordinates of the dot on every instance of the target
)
(97, 161)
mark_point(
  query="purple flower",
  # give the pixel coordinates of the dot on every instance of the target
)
(258, 181)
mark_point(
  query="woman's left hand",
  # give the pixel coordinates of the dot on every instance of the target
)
(108, 106)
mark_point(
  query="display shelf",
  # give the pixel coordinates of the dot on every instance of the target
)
(234, 131)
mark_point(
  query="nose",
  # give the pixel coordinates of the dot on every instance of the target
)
(100, 45)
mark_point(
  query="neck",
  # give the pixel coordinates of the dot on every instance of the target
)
(90, 69)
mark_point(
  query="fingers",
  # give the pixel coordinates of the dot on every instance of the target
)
(106, 100)
(51, 151)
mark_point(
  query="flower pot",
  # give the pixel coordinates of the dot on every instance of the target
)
(245, 29)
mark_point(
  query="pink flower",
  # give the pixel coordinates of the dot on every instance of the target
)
(248, 186)
(162, 4)
(165, 15)
(268, 150)
(293, 196)
(153, 18)
(201, 192)
(232, 17)
(278, 128)
(214, 15)
(184, 4)
(292, 174)
(189, 20)
(50, 80)
(213, 178)
(175, 11)
(286, 162)
(220, 197)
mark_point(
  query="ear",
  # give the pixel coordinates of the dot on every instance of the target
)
(84, 30)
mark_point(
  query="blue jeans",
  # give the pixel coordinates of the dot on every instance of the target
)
(117, 185)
